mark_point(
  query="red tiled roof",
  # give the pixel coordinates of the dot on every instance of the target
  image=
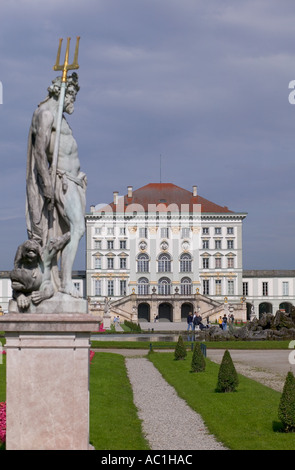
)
(164, 195)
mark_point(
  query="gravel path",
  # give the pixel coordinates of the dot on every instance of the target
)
(168, 422)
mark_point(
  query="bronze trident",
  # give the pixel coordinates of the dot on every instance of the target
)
(66, 66)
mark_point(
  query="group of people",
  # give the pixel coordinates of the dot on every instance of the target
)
(223, 321)
(194, 321)
(116, 320)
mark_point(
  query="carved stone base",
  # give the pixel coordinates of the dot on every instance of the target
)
(59, 303)
(107, 321)
(47, 395)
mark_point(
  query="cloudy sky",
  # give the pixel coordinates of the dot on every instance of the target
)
(202, 83)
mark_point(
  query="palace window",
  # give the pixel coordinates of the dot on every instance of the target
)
(230, 262)
(143, 232)
(206, 287)
(97, 287)
(164, 286)
(245, 289)
(185, 232)
(218, 287)
(205, 244)
(97, 262)
(110, 288)
(230, 244)
(218, 263)
(217, 244)
(122, 287)
(164, 263)
(164, 232)
(265, 288)
(186, 286)
(143, 286)
(205, 263)
(77, 286)
(285, 288)
(123, 244)
(97, 244)
(110, 245)
(230, 287)
(123, 263)
(185, 263)
(143, 263)
(110, 263)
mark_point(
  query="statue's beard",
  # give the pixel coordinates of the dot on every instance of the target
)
(69, 108)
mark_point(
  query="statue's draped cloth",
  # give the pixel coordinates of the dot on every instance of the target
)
(40, 225)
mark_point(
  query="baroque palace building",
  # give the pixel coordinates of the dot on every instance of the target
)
(163, 250)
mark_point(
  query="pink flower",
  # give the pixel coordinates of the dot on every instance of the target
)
(2, 422)
(91, 355)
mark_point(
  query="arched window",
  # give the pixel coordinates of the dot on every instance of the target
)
(143, 263)
(143, 286)
(164, 286)
(164, 263)
(185, 263)
(186, 286)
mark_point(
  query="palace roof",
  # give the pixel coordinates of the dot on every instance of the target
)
(165, 196)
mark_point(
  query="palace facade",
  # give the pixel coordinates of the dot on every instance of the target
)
(163, 250)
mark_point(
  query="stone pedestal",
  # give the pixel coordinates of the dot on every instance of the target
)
(47, 395)
(107, 321)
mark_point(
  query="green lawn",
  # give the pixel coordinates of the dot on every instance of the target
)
(114, 424)
(243, 420)
(172, 344)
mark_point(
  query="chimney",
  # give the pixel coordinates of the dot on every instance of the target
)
(129, 191)
(195, 190)
(92, 208)
(115, 197)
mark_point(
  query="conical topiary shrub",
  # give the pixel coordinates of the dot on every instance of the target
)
(180, 351)
(287, 404)
(198, 360)
(227, 376)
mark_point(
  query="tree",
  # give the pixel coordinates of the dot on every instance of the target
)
(227, 376)
(287, 404)
(198, 360)
(180, 350)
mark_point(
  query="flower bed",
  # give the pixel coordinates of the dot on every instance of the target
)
(2, 422)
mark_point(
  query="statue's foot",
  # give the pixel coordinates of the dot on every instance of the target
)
(70, 289)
